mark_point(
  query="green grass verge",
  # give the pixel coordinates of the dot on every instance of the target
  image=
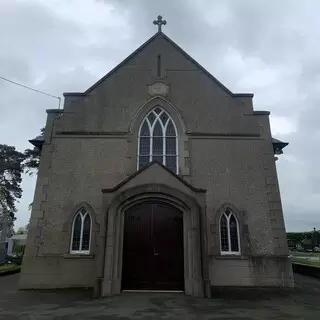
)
(306, 262)
(9, 267)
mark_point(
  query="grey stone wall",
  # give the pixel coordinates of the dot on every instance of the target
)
(233, 173)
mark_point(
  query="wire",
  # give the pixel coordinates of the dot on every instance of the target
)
(26, 87)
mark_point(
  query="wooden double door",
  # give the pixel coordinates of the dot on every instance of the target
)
(153, 248)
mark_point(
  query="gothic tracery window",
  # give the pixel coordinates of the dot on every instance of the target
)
(229, 233)
(81, 232)
(158, 140)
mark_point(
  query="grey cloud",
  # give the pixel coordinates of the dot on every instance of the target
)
(34, 35)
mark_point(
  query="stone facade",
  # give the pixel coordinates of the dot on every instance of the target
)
(89, 159)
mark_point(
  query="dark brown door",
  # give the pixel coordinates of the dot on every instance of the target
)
(153, 248)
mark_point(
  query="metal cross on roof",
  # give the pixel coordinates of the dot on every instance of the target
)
(160, 23)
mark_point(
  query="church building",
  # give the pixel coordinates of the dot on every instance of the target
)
(157, 177)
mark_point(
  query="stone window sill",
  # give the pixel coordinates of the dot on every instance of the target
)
(78, 256)
(231, 257)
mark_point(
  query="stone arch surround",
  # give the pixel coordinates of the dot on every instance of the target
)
(117, 204)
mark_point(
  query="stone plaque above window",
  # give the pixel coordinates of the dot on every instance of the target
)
(158, 89)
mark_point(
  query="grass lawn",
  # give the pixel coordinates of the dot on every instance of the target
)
(307, 262)
(7, 267)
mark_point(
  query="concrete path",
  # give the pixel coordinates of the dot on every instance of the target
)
(303, 303)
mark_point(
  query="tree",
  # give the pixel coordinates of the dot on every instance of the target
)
(297, 237)
(11, 168)
(32, 161)
(22, 230)
(32, 158)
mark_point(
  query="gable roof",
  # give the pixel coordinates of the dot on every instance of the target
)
(119, 185)
(158, 35)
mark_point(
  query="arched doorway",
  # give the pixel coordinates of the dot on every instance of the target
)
(153, 248)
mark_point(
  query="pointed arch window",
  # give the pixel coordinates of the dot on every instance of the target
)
(158, 140)
(229, 233)
(81, 232)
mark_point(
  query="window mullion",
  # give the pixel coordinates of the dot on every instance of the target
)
(229, 234)
(138, 157)
(238, 234)
(151, 146)
(151, 139)
(164, 132)
(81, 232)
(72, 235)
(164, 152)
(177, 155)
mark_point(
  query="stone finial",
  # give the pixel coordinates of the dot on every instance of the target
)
(160, 23)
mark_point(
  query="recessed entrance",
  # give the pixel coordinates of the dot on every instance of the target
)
(153, 248)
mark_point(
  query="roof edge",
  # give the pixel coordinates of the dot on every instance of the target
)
(54, 110)
(261, 113)
(68, 94)
(222, 86)
(278, 146)
(123, 182)
(37, 142)
(123, 62)
(276, 141)
(243, 95)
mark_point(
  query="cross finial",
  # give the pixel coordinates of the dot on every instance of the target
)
(160, 23)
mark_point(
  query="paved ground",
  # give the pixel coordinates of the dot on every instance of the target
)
(303, 303)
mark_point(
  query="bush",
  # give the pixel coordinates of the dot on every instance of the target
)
(18, 249)
(16, 260)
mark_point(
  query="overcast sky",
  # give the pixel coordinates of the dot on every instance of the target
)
(270, 48)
